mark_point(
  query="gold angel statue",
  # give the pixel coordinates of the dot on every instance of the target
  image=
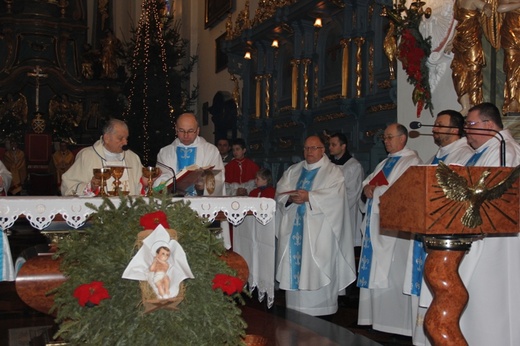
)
(390, 46)
(61, 106)
(510, 43)
(468, 55)
(65, 116)
(17, 107)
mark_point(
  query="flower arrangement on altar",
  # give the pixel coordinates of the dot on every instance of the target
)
(97, 306)
(413, 49)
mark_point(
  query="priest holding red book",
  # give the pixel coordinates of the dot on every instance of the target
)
(382, 303)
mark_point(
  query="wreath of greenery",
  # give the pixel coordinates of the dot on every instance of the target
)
(204, 317)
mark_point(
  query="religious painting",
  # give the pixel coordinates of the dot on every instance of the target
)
(221, 58)
(215, 11)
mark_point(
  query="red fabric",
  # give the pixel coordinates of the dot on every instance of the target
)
(267, 192)
(38, 148)
(236, 175)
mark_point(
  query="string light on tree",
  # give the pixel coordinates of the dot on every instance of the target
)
(150, 113)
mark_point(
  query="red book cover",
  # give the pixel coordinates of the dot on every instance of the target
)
(379, 179)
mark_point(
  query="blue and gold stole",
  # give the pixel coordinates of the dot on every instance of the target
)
(295, 243)
(365, 262)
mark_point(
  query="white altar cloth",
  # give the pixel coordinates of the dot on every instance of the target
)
(254, 238)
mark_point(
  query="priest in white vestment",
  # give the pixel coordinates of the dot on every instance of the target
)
(382, 302)
(108, 151)
(491, 268)
(354, 175)
(5, 179)
(189, 149)
(447, 132)
(315, 258)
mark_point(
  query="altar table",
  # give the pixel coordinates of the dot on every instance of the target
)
(253, 218)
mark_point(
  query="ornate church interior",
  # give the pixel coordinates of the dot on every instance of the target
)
(271, 73)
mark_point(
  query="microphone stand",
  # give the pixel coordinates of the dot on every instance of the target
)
(416, 125)
(174, 178)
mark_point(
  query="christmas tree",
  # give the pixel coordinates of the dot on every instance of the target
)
(157, 89)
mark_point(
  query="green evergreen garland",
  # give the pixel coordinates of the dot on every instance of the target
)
(204, 317)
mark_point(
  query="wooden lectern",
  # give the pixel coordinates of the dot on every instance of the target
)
(416, 203)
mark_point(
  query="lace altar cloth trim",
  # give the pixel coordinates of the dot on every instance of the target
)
(258, 247)
(40, 212)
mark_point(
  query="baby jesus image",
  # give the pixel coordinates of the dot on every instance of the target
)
(160, 268)
(162, 262)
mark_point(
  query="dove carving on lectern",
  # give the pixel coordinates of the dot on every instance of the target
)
(456, 188)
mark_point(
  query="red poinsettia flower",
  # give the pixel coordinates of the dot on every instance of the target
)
(413, 53)
(152, 220)
(228, 284)
(91, 294)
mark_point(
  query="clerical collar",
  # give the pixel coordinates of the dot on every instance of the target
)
(311, 166)
(192, 145)
(109, 156)
(342, 160)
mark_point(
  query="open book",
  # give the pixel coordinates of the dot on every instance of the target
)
(188, 176)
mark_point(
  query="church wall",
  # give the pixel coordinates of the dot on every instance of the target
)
(126, 15)
(203, 44)
(444, 97)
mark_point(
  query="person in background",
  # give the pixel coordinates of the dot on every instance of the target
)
(263, 183)
(353, 174)
(315, 260)
(490, 268)
(62, 160)
(5, 179)
(382, 263)
(14, 160)
(448, 134)
(225, 150)
(483, 126)
(106, 152)
(241, 171)
(189, 149)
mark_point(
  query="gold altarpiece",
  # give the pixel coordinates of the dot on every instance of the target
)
(326, 73)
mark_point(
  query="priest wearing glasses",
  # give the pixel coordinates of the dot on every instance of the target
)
(315, 258)
(382, 302)
(189, 149)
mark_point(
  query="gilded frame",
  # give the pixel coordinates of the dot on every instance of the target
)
(215, 10)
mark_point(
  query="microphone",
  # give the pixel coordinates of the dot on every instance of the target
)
(416, 125)
(174, 178)
(125, 147)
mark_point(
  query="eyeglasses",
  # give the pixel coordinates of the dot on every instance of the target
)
(473, 123)
(384, 138)
(313, 148)
(184, 132)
